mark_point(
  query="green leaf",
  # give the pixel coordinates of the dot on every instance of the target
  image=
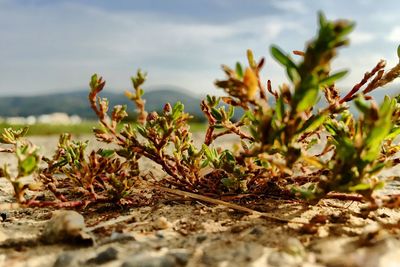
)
(360, 187)
(228, 182)
(282, 58)
(250, 115)
(306, 94)
(93, 81)
(205, 163)
(328, 81)
(250, 58)
(254, 133)
(305, 193)
(313, 123)
(211, 155)
(362, 105)
(331, 128)
(379, 130)
(379, 185)
(393, 133)
(28, 165)
(293, 74)
(228, 155)
(177, 110)
(308, 100)
(378, 167)
(239, 70)
(216, 114)
(322, 19)
(11, 136)
(312, 143)
(106, 152)
(231, 112)
(280, 109)
(209, 100)
(208, 153)
(398, 51)
(139, 79)
(345, 148)
(141, 130)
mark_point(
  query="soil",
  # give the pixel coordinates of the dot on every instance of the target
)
(183, 232)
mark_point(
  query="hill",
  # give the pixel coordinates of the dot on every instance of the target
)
(76, 103)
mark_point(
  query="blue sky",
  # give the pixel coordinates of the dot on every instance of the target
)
(55, 45)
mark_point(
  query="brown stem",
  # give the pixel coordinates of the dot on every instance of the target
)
(56, 193)
(55, 204)
(226, 204)
(233, 129)
(344, 196)
(350, 95)
(389, 76)
(272, 92)
(208, 139)
(372, 85)
(7, 150)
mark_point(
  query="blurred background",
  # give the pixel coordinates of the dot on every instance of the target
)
(50, 48)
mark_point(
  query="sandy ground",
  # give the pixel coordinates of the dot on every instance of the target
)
(190, 233)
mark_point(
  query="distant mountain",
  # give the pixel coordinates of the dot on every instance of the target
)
(76, 103)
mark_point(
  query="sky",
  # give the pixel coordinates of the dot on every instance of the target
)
(50, 46)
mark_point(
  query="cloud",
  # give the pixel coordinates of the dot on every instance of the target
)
(59, 44)
(292, 6)
(274, 28)
(360, 37)
(394, 35)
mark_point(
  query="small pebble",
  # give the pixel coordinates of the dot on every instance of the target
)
(147, 259)
(107, 255)
(66, 226)
(294, 247)
(182, 256)
(282, 259)
(119, 237)
(159, 235)
(64, 260)
(257, 231)
(4, 216)
(292, 254)
(237, 228)
(201, 238)
(162, 223)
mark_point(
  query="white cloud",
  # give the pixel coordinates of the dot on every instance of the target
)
(61, 45)
(394, 35)
(359, 37)
(274, 28)
(290, 6)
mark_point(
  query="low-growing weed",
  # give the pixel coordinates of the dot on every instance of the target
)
(279, 128)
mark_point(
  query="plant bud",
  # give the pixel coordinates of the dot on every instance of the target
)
(152, 116)
(167, 108)
(251, 82)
